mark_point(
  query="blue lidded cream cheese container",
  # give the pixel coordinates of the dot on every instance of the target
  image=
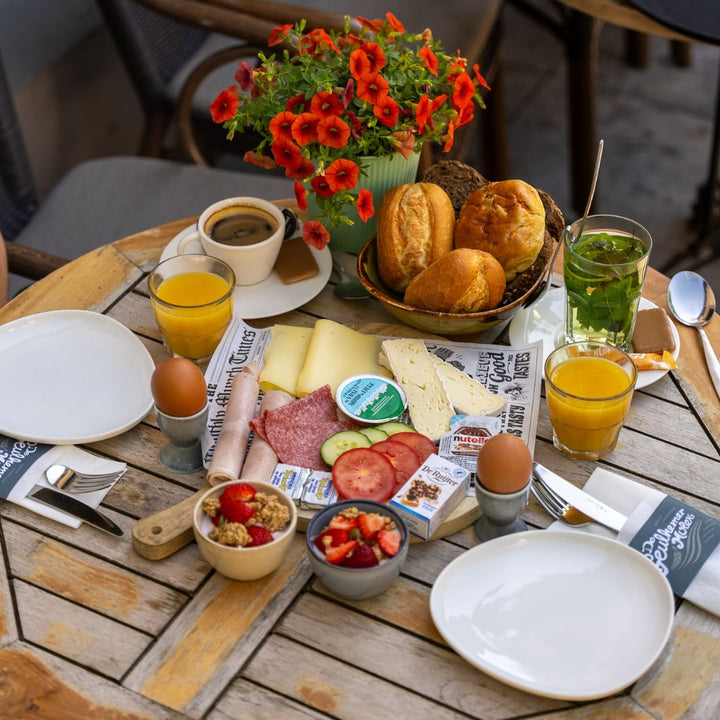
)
(371, 399)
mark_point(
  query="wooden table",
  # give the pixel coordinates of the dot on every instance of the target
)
(90, 629)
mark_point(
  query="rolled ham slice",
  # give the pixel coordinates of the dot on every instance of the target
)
(227, 459)
(261, 458)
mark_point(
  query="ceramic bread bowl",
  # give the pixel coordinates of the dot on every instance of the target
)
(244, 563)
(356, 583)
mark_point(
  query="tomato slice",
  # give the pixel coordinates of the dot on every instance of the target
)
(404, 459)
(363, 474)
(423, 446)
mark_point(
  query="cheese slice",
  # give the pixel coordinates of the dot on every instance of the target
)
(469, 396)
(336, 353)
(284, 357)
(428, 401)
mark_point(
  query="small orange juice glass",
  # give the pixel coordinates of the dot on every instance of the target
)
(588, 387)
(192, 297)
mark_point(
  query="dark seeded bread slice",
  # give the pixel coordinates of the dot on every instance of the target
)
(457, 179)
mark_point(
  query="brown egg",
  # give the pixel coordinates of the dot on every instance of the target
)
(178, 387)
(504, 464)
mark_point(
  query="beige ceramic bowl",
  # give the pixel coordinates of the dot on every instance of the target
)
(243, 563)
(521, 292)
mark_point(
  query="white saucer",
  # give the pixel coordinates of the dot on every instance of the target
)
(270, 297)
(544, 320)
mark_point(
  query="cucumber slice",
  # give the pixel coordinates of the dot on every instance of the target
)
(341, 441)
(373, 434)
(395, 426)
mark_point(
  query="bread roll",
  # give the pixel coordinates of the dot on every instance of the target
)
(506, 219)
(415, 227)
(461, 281)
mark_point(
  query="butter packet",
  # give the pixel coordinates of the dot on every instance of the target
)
(290, 479)
(319, 491)
(430, 495)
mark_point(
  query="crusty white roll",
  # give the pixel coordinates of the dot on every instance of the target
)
(505, 219)
(461, 281)
(415, 226)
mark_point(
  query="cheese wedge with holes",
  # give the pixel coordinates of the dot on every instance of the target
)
(428, 401)
(336, 353)
(468, 396)
(284, 357)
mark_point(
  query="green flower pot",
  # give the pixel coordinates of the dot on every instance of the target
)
(382, 174)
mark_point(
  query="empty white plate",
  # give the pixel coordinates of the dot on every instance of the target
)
(560, 614)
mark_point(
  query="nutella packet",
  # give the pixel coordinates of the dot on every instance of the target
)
(468, 433)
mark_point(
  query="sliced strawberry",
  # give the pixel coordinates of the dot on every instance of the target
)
(336, 536)
(389, 542)
(235, 510)
(361, 556)
(336, 555)
(370, 524)
(340, 522)
(259, 535)
(242, 492)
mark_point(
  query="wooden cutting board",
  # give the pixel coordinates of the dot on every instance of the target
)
(160, 535)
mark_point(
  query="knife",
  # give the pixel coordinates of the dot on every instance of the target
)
(76, 508)
(585, 503)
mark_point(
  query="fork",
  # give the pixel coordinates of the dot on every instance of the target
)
(66, 478)
(557, 507)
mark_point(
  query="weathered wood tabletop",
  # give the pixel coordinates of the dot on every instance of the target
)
(90, 629)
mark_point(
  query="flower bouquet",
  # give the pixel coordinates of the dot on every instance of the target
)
(328, 101)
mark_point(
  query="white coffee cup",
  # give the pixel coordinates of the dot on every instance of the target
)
(244, 232)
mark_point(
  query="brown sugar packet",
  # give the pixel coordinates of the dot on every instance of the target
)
(295, 262)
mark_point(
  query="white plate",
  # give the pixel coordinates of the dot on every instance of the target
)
(71, 376)
(560, 614)
(545, 320)
(270, 297)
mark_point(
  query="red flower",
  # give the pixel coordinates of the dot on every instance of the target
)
(245, 77)
(349, 40)
(396, 24)
(373, 88)
(279, 34)
(263, 161)
(359, 63)
(303, 171)
(463, 90)
(356, 126)
(437, 102)
(281, 125)
(348, 93)
(317, 42)
(404, 142)
(365, 207)
(321, 186)
(326, 103)
(374, 26)
(315, 234)
(480, 79)
(225, 105)
(304, 128)
(342, 174)
(375, 55)
(300, 195)
(387, 112)
(422, 114)
(430, 59)
(296, 102)
(466, 115)
(333, 132)
(449, 138)
(286, 153)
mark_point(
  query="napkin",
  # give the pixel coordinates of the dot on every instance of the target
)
(22, 467)
(638, 502)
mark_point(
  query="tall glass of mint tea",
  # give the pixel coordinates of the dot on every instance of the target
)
(604, 271)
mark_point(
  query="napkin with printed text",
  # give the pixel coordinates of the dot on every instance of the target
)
(681, 541)
(22, 468)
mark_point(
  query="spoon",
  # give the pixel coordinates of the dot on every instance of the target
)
(692, 302)
(348, 288)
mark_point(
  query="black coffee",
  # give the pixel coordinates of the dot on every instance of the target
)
(240, 226)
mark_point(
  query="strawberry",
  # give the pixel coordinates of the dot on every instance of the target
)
(336, 537)
(361, 557)
(370, 524)
(242, 492)
(259, 535)
(341, 522)
(235, 510)
(389, 542)
(336, 555)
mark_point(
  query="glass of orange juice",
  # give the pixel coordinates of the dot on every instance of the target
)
(192, 298)
(588, 387)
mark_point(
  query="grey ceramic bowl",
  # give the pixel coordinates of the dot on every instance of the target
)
(355, 583)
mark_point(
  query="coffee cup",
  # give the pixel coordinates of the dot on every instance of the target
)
(244, 232)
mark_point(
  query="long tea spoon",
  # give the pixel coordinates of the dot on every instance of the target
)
(692, 302)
